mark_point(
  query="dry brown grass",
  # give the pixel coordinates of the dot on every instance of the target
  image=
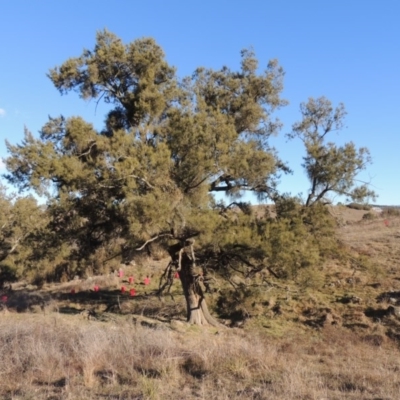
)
(333, 340)
(62, 357)
(378, 240)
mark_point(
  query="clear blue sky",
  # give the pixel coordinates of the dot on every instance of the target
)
(348, 51)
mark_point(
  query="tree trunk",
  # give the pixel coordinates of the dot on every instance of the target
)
(196, 306)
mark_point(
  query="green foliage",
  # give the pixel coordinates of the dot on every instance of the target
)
(239, 304)
(330, 168)
(300, 237)
(20, 220)
(166, 147)
(134, 77)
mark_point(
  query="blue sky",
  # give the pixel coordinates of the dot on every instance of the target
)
(348, 51)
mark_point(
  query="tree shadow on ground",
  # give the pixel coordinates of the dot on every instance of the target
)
(392, 297)
(376, 313)
(92, 302)
(25, 301)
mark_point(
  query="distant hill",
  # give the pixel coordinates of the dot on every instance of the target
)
(385, 206)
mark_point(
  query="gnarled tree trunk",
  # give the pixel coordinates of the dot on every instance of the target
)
(197, 310)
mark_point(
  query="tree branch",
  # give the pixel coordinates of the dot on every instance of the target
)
(88, 151)
(153, 239)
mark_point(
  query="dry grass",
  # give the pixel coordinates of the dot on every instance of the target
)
(377, 240)
(61, 357)
(334, 340)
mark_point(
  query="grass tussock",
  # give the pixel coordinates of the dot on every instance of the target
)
(59, 357)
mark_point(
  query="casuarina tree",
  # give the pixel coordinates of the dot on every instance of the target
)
(331, 169)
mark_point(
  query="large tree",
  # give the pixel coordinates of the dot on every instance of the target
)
(167, 146)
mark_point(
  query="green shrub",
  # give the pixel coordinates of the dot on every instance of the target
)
(358, 206)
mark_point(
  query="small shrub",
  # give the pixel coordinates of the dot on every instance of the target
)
(369, 216)
(358, 206)
(195, 365)
(310, 278)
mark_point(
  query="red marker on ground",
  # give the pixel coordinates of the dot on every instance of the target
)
(176, 276)
(132, 292)
(120, 273)
(96, 288)
(130, 279)
(123, 289)
(146, 280)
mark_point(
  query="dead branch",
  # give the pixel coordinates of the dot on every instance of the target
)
(153, 239)
(167, 275)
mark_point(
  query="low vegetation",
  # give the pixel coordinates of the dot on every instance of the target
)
(62, 358)
(332, 334)
(357, 206)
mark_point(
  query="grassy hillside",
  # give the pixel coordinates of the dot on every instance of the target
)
(332, 333)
